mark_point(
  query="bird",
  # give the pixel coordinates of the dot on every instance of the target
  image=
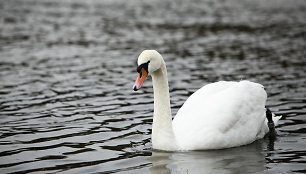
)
(219, 115)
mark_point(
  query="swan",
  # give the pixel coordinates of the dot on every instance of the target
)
(217, 116)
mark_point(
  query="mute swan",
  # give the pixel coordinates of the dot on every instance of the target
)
(218, 115)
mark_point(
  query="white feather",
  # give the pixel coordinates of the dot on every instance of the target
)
(219, 115)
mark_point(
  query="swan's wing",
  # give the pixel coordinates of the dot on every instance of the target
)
(220, 115)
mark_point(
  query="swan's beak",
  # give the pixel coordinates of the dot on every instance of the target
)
(140, 79)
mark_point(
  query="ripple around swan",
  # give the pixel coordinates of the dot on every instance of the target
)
(67, 69)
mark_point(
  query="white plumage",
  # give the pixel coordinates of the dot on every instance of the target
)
(218, 115)
(221, 115)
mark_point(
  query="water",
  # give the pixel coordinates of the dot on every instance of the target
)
(67, 70)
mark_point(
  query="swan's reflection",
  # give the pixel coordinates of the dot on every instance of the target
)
(245, 159)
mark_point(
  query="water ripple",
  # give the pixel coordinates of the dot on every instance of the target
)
(67, 69)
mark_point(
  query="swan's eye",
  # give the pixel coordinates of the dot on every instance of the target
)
(144, 66)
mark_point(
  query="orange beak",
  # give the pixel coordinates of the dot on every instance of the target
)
(140, 79)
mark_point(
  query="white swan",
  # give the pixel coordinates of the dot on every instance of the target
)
(219, 115)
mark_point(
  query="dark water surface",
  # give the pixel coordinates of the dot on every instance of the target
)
(67, 70)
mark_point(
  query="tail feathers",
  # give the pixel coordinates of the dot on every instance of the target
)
(271, 117)
(272, 121)
(275, 119)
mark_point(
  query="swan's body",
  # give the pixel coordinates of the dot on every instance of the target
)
(219, 115)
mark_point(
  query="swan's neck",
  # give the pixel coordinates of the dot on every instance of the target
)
(162, 132)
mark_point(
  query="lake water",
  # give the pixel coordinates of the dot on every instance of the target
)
(67, 70)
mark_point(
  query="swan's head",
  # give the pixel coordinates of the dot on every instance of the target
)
(148, 62)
